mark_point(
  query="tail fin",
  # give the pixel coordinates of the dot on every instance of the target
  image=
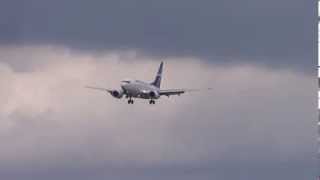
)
(157, 80)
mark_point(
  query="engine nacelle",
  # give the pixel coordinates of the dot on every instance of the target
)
(117, 93)
(154, 95)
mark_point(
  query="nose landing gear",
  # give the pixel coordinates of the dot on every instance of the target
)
(152, 101)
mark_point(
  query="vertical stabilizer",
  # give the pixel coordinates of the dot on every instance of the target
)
(157, 80)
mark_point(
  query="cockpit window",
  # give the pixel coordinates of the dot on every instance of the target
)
(126, 81)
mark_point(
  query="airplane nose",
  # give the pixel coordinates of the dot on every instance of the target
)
(125, 82)
(123, 85)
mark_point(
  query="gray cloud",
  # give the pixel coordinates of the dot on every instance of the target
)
(254, 124)
(274, 32)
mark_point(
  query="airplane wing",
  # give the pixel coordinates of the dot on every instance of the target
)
(170, 92)
(98, 88)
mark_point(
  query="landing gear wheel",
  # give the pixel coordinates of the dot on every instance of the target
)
(130, 101)
(152, 102)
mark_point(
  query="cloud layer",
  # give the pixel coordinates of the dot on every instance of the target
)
(254, 124)
(277, 33)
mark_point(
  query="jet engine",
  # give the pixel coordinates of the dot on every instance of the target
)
(154, 95)
(117, 93)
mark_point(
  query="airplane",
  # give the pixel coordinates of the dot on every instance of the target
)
(139, 89)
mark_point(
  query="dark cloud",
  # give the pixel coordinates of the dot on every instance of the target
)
(275, 32)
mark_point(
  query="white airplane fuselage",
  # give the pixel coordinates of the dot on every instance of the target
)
(140, 89)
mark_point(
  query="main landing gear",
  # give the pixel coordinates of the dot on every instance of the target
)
(130, 101)
(152, 101)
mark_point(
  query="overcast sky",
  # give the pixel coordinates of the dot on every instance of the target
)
(278, 33)
(257, 123)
